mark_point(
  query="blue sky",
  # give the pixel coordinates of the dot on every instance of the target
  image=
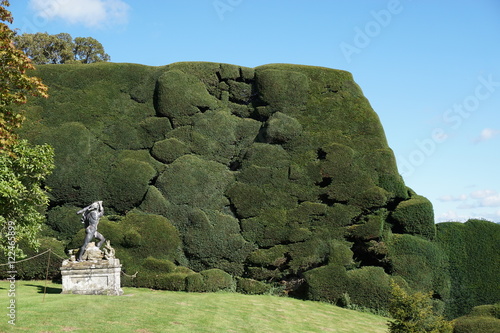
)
(430, 69)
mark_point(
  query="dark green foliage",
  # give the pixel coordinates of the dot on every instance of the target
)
(366, 287)
(158, 265)
(127, 183)
(283, 90)
(36, 268)
(416, 217)
(274, 173)
(473, 324)
(340, 253)
(180, 95)
(482, 318)
(214, 240)
(153, 129)
(216, 280)
(281, 128)
(159, 238)
(472, 248)
(64, 220)
(195, 283)
(169, 150)
(251, 287)
(369, 287)
(422, 263)
(372, 227)
(327, 283)
(196, 182)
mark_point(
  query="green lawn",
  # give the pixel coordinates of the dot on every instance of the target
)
(144, 310)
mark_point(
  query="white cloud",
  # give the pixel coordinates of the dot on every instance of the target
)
(491, 201)
(451, 216)
(91, 13)
(487, 134)
(481, 194)
(447, 198)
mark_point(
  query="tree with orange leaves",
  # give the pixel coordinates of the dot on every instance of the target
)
(15, 83)
(23, 167)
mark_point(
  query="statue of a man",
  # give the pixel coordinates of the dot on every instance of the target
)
(90, 217)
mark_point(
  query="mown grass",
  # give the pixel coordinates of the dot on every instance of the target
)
(144, 311)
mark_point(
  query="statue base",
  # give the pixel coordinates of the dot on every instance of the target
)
(97, 274)
(92, 277)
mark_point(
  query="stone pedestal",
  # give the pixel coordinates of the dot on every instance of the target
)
(99, 277)
(94, 275)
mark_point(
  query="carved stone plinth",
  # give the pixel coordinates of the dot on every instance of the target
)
(94, 275)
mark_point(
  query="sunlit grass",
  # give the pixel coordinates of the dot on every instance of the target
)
(144, 310)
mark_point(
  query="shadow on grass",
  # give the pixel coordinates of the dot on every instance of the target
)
(50, 290)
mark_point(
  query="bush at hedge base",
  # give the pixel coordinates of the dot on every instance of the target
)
(482, 318)
(251, 286)
(413, 313)
(216, 280)
(36, 268)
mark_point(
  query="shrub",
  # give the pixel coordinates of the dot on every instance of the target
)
(213, 240)
(192, 181)
(415, 216)
(216, 280)
(281, 128)
(369, 287)
(180, 95)
(158, 265)
(171, 281)
(283, 90)
(127, 183)
(169, 150)
(251, 287)
(482, 318)
(36, 268)
(413, 313)
(64, 220)
(160, 239)
(195, 283)
(422, 263)
(327, 283)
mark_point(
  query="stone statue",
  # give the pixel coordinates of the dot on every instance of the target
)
(90, 218)
(109, 252)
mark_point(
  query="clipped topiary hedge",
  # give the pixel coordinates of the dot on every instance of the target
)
(251, 287)
(415, 216)
(482, 318)
(472, 248)
(271, 173)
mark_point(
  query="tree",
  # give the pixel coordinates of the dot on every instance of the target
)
(15, 84)
(22, 167)
(413, 313)
(43, 48)
(22, 197)
(88, 50)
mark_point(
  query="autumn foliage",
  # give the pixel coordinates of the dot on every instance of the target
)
(15, 83)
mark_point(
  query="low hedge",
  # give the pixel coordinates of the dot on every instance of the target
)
(483, 318)
(251, 286)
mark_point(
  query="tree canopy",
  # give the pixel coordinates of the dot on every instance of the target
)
(15, 83)
(22, 167)
(61, 48)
